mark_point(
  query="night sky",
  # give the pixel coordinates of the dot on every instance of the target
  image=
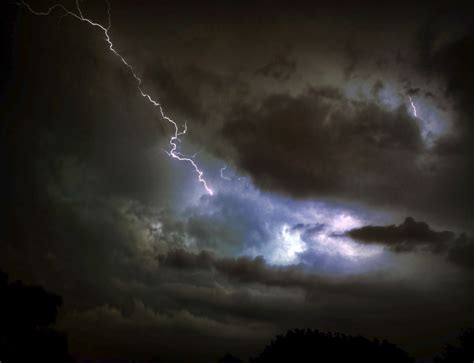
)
(336, 137)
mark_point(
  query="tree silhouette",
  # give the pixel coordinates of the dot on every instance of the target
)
(305, 346)
(462, 353)
(229, 358)
(26, 314)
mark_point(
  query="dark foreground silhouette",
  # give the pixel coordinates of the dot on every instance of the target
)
(26, 314)
(229, 358)
(463, 352)
(305, 346)
(313, 346)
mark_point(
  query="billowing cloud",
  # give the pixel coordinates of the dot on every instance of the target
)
(320, 144)
(405, 237)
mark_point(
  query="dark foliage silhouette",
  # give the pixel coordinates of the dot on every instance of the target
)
(26, 316)
(461, 353)
(305, 346)
(229, 358)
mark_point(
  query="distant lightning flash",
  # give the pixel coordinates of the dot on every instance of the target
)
(222, 173)
(173, 148)
(413, 106)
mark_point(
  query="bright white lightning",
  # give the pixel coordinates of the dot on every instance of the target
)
(413, 106)
(222, 173)
(172, 152)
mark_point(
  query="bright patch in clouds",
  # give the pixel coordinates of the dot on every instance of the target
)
(287, 247)
(326, 239)
(245, 221)
(344, 222)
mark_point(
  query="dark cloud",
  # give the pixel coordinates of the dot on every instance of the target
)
(405, 237)
(353, 58)
(446, 54)
(183, 89)
(281, 67)
(241, 269)
(247, 270)
(182, 259)
(411, 236)
(323, 295)
(462, 251)
(320, 144)
(413, 91)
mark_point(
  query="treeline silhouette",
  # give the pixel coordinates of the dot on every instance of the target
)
(26, 316)
(28, 313)
(305, 346)
(461, 353)
(313, 346)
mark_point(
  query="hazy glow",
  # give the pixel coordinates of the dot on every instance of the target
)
(288, 246)
(296, 242)
(344, 222)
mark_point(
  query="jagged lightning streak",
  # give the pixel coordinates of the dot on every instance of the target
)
(413, 106)
(222, 173)
(173, 148)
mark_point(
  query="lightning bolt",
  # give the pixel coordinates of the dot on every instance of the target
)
(172, 152)
(222, 173)
(413, 106)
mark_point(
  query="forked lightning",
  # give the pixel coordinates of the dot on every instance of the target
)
(173, 148)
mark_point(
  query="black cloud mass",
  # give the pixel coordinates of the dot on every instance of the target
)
(321, 144)
(406, 236)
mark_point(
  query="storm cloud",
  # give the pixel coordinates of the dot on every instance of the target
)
(319, 143)
(405, 237)
(301, 117)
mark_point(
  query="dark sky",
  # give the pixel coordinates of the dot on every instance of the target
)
(337, 138)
